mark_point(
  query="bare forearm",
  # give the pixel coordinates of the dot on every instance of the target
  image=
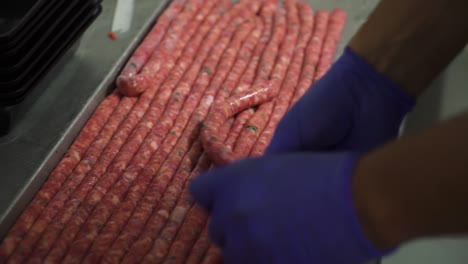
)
(412, 41)
(416, 187)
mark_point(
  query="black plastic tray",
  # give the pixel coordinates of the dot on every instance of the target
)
(57, 50)
(14, 16)
(36, 21)
(12, 60)
(5, 122)
(11, 89)
(10, 80)
(48, 10)
(10, 115)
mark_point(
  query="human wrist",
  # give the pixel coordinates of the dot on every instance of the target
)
(418, 42)
(414, 187)
(375, 212)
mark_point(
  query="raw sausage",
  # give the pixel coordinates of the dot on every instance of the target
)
(144, 51)
(103, 210)
(237, 70)
(161, 246)
(156, 188)
(213, 256)
(89, 160)
(262, 91)
(58, 176)
(335, 29)
(312, 55)
(258, 122)
(191, 228)
(136, 191)
(125, 155)
(134, 85)
(291, 81)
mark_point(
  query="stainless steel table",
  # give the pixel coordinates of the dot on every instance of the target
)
(73, 90)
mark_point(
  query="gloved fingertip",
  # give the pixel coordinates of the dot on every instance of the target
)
(273, 149)
(287, 135)
(216, 234)
(203, 190)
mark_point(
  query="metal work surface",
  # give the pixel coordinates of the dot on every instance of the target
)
(68, 96)
(73, 90)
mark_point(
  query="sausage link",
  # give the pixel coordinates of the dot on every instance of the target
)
(125, 209)
(239, 124)
(259, 121)
(88, 161)
(125, 155)
(312, 55)
(247, 79)
(144, 173)
(135, 85)
(195, 218)
(176, 251)
(162, 244)
(167, 202)
(229, 83)
(213, 256)
(201, 246)
(157, 187)
(262, 91)
(335, 29)
(58, 176)
(290, 83)
(149, 44)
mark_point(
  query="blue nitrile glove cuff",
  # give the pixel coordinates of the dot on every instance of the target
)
(353, 107)
(398, 93)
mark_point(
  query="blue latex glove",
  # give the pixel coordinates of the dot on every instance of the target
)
(353, 107)
(291, 208)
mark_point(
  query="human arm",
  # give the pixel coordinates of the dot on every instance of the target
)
(336, 207)
(411, 42)
(415, 187)
(358, 104)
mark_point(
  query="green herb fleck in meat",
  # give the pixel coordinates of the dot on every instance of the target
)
(252, 127)
(207, 70)
(133, 65)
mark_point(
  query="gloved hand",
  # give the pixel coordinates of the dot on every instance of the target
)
(353, 107)
(292, 208)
